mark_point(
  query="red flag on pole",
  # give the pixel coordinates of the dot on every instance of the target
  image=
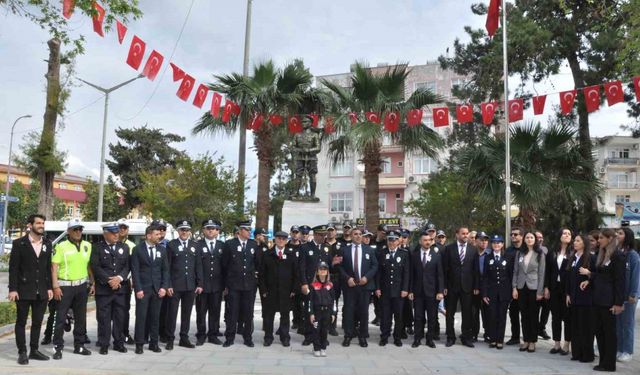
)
(185, 87)
(488, 112)
(516, 109)
(98, 19)
(153, 65)
(136, 52)
(178, 73)
(67, 8)
(122, 30)
(538, 104)
(372, 117)
(315, 118)
(441, 116)
(414, 117)
(295, 126)
(392, 121)
(493, 17)
(230, 108)
(275, 120)
(215, 105)
(353, 117)
(567, 98)
(613, 91)
(636, 84)
(201, 95)
(592, 98)
(464, 113)
(329, 127)
(256, 122)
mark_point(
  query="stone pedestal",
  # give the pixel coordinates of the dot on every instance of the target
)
(303, 213)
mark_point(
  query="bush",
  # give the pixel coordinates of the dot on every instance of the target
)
(7, 313)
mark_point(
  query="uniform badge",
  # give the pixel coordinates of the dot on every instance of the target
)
(521, 259)
(44, 248)
(607, 263)
(373, 246)
(239, 248)
(366, 256)
(573, 264)
(310, 252)
(86, 248)
(289, 249)
(253, 251)
(193, 249)
(120, 251)
(338, 245)
(387, 256)
(158, 254)
(428, 258)
(398, 260)
(106, 251)
(326, 249)
(180, 248)
(504, 262)
(284, 256)
(491, 262)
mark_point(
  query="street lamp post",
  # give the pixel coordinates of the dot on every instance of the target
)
(243, 131)
(104, 136)
(6, 187)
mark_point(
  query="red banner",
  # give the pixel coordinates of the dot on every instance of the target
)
(153, 65)
(538, 104)
(592, 98)
(441, 116)
(136, 52)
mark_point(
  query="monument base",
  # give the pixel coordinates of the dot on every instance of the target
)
(303, 213)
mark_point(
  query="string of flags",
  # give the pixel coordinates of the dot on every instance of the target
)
(464, 113)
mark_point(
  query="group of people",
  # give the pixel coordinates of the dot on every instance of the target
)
(589, 285)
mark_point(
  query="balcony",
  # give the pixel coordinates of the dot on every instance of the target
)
(622, 185)
(389, 182)
(623, 162)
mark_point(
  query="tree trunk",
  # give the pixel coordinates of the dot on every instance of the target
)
(528, 217)
(372, 171)
(263, 142)
(46, 148)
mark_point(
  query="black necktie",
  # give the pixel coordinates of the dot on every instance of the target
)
(151, 253)
(424, 258)
(243, 245)
(211, 246)
(498, 258)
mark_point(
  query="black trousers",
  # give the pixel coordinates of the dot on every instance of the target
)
(127, 308)
(269, 310)
(208, 314)
(514, 318)
(391, 308)
(407, 313)
(164, 316)
(298, 311)
(428, 305)
(545, 309)
(320, 328)
(559, 316)
(74, 298)
(497, 319)
(529, 314)
(377, 310)
(337, 287)
(356, 306)
(185, 299)
(38, 307)
(306, 326)
(451, 304)
(606, 337)
(582, 323)
(51, 320)
(148, 315)
(479, 312)
(240, 304)
(110, 314)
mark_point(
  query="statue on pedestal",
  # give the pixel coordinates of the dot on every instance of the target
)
(305, 149)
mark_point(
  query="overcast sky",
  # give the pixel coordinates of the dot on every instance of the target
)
(328, 35)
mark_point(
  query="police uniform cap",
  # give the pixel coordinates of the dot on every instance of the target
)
(331, 227)
(482, 235)
(294, 228)
(405, 233)
(346, 225)
(245, 224)
(123, 223)
(281, 234)
(431, 226)
(259, 230)
(366, 233)
(183, 224)
(305, 229)
(382, 227)
(320, 229)
(393, 235)
(323, 265)
(211, 223)
(440, 233)
(110, 227)
(160, 224)
(74, 223)
(497, 238)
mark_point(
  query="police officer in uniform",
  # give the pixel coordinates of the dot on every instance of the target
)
(392, 281)
(110, 266)
(407, 311)
(298, 308)
(261, 236)
(69, 275)
(379, 246)
(208, 303)
(185, 268)
(277, 278)
(123, 236)
(240, 264)
(496, 289)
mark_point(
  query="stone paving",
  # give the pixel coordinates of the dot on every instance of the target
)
(298, 360)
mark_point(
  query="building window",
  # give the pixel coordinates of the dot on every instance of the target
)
(457, 82)
(62, 186)
(70, 211)
(382, 202)
(342, 168)
(429, 85)
(77, 188)
(12, 179)
(424, 165)
(624, 153)
(341, 202)
(387, 140)
(386, 165)
(623, 198)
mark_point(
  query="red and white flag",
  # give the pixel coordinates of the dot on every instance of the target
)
(98, 19)
(201, 95)
(414, 117)
(153, 65)
(67, 8)
(441, 116)
(228, 111)
(329, 127)
(295, 126)
(464, 113)
(185, 87)
(488, 112)
(516, 109)
(392, 121)
(493, 17)
(353, 117)
(122, 30)
(592, 98)
(136, 52)
(567, 98)
(215, 105)
(372, 117)
(275, 120)
(315, 119)
(178, 73)
(256, 122)
(636, 85)
(614, 92)
(538, 104)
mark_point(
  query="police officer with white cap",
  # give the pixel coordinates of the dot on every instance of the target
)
(208, 303)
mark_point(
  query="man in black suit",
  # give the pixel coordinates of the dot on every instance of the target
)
(517, 243)
(239, 265)
(427, 288)
(209, 301)
(150, 274)
(358, 269)
(30, 285)
(459, 260)
(110, 266)
(185, 269)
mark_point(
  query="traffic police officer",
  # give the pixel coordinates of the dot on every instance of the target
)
(208, 302)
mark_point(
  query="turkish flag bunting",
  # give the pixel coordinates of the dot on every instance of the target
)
(256, 122)
(636, 85)
(178, 73)
(392, 121)
(613, 91)
(441, 116)
(329, 127)
(493, 17)
(516, 107)
(275, 120)
(98, 19)
(67, 8)
(122, 31)
(185, 87)
(538, 104)
(295, 126)
(136, 52)
(353, 117)
(215, 105)
(201, 95)
(372, 117)
(464, 113)
(567, 98)
(592, 98)
(235, 109)
(316, 119)
(153, 65)
(414, 117)
(488, 112)
(229, 109)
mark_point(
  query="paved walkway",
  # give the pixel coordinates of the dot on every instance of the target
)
(238, 359)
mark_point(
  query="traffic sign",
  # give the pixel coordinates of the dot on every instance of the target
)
(11, 198)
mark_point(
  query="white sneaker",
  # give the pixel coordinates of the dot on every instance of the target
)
(618, 354)
(624, 357)
(317, 353)
(595, 351)
(323, 353)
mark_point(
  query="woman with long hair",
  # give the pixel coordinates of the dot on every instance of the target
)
(626, 322)
(554, 291)
(580, 298)
(594, 236)
(608, 289)
(528, 288)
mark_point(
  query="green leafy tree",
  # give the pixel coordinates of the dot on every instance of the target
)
(27, 204)
(141, 150)
(377, 93)
(113, 208)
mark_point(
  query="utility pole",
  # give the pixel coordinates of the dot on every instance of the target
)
(242, 152)
(6, 187)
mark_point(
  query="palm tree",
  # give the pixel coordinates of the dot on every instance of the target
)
(545, 164)
(268, 91)
(379, 93)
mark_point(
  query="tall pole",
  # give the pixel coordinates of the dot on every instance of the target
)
(242, 156)
(104, 136)
(507, 149)
(6, 186)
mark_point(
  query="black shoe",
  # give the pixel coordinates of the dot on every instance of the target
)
(45, 341)
(249, 343)
(104, 350)
(227, 343)
(397, 342)
(307, 341)
(375, 321)
(513, 341)
(436, 338)
(294, 326)
(199, 342)
(81, 350)
(155, 348)
(333, 332)
(430, 344)
(58, 354)
(346, 342)
(554, 351)
(487, 339)
(474, 339)
(186, 344)
(416, 343)
(363, 343)
(563, 352)
(129, 340)
(267, 342)
(499, 346)
(217, 334)
(139, 349)
(86, 340)
(404, 335)
(163, 339)
(523, 348)
(36, 355)
(450, 342)
(169, 345)
(285, 342)
(214, 340)
(600, 368)
(383, 342)
(23, 359)
(410, 330)
(468, 344)
(544, 335)
(120, 349)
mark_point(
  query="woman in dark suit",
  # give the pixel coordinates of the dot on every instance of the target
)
(496, 289)
(554, 291)
(580, 298)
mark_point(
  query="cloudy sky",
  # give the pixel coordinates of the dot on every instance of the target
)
(328, 35)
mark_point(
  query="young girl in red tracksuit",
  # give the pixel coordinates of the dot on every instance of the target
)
(321, 308)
